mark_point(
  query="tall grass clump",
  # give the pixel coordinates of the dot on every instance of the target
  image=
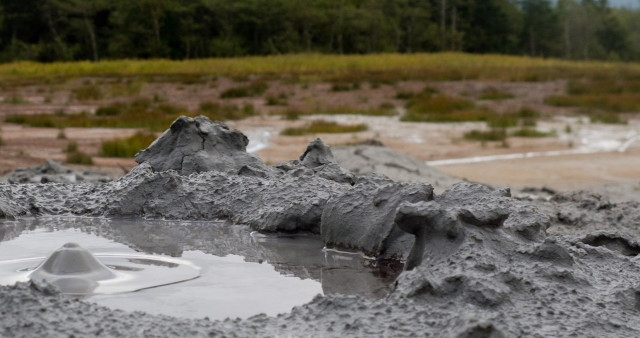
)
(127, 88)
(127, 147)
(15, 99)
(605, 95)
(606, 118)
(429, 107)
(531, 132)
(608, 103)
(255, 88)
(383, 110)
(87, 92)
(320, 126)
(495, 94)
(343, 87)
(494, 134)
(75, 156)
(603, 86)
(277, 100)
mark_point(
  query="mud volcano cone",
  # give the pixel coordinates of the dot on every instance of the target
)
(73, 269)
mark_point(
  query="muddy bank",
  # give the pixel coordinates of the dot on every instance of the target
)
(479, 262)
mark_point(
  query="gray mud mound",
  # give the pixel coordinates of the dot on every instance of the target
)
(479, 263)
(364, 159)
(194, 145)
(54, 172)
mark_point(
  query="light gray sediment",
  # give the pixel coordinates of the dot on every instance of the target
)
(486, 264)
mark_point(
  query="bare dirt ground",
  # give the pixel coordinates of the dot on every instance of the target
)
(602, 164)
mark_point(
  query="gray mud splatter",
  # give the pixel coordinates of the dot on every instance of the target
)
(487, 265)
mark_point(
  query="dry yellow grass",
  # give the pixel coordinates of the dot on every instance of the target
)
(313, 67)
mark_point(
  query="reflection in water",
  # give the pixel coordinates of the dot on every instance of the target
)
(299, 255)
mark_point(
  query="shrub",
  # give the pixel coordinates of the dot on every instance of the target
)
(291, 115)
(320, 126)
(456, 116)
(492, 93)
(486, 135)
(528, 113)
(530, 132)
(404, 95)
(71, 147)
(14, 99)
(127, 147)
(280, 100)
(607, 103)
(111, 110)
(343, 87)
(255, 88)
(129, 88)
(502, 121)
(606, 118)
(78, 157)
(87, 92)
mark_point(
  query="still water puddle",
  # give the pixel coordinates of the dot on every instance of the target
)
(192, 269)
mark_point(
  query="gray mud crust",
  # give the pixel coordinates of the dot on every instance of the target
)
(54, 172)
(480, 263)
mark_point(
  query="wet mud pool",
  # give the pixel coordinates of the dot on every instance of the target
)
(191, 269)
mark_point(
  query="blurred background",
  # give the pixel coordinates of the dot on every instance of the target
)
(538, 95)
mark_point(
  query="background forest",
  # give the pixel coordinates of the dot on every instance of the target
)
(65, 30)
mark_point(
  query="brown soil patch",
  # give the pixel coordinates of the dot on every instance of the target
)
(25, 146)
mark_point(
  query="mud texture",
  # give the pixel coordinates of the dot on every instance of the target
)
(375, 158)
(479, 262)
(54, 172)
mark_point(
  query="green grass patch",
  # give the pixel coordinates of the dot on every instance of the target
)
(79, 158)
(606, 118)
(87, 92)
(605, 86)
(608, 103)
(319, 126)
(128, 88)
(137, 114)
(495, 94)
(531, 132)
(344, 87)
(255, 88)
(502, 121)
(383, 110)
(426, 103)
(405, 95)
(76, 156)
(127, 147)
(456, 116)
(428, 107)
(14, 99)
(495, 134)
(277, 100)
(290, 115)
(528, 113)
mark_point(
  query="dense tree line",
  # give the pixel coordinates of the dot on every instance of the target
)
(55, 30)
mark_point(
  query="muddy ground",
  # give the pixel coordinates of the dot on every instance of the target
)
(478, 262)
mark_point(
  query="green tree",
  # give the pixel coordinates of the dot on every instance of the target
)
(540, 33)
